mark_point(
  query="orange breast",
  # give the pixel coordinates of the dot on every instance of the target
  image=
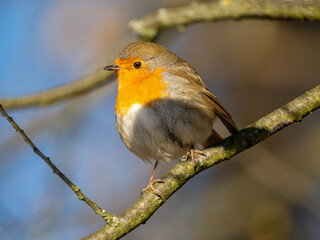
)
(137, 85)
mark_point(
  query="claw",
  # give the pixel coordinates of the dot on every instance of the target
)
(191, 153)
(150, 185)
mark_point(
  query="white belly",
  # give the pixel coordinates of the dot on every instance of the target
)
(164, 131)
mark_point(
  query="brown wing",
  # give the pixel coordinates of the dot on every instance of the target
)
(184, 70)
(222, 114)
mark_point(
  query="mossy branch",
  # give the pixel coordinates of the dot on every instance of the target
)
(44, 98)
(148, 27)
(176, 177)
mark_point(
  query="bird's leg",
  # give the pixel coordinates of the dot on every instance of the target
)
(153, 181)
(191, 153)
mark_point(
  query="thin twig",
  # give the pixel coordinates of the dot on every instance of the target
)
(106, 216)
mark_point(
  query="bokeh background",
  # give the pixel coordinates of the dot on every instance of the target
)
(269, 192)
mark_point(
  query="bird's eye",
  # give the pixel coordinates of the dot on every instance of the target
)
(137, 65)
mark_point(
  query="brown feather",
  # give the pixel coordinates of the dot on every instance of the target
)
(186, 71)
(222, 114)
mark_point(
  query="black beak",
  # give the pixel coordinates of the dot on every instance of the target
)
(112, 68)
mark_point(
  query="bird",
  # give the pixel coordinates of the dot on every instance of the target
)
(163, 108)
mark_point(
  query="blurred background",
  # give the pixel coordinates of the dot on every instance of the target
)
(269, 192)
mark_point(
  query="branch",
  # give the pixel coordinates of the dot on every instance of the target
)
(148, 27)
(106, 216)
(64, 92)
(183, 171)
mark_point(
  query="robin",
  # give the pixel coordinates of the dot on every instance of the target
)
(163, 108)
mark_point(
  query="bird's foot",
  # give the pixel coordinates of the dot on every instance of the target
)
(191, 153)
(150, 186)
